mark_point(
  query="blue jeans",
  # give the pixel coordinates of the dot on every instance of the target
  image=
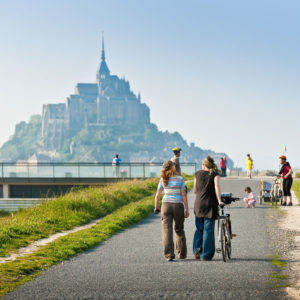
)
(223, 172)
(204, 238)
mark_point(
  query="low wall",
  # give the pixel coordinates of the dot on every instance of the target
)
(9, 204)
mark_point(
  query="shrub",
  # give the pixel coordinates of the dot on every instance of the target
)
(4, 213)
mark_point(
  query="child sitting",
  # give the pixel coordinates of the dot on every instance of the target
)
(250, 200)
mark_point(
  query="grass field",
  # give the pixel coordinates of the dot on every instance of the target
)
(296, 189)
(73, 209)
(188, 176)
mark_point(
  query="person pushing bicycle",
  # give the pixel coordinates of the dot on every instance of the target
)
(287, 180)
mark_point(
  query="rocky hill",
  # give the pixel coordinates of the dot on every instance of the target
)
(132, 143)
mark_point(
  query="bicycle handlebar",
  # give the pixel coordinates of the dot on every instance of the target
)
(233, 199)
(236, 198)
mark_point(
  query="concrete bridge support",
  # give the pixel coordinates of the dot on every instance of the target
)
(6, 190)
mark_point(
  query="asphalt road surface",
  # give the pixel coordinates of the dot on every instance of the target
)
(131, 264)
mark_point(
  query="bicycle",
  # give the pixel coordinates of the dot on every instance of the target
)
(276, 192)
(225, 234)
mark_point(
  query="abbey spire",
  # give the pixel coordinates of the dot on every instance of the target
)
(103, 72)
(103, 51)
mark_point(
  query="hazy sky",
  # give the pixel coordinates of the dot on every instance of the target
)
(224, 74)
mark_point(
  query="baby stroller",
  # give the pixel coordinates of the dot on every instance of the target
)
(265, 194)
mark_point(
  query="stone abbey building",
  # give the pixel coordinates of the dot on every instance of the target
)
(109, 101)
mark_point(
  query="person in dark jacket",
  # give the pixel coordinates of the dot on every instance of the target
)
(287, 180)
(208, 196)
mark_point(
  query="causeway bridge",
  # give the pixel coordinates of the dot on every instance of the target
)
(25, 184)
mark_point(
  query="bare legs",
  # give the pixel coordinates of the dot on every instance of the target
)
(249, 173)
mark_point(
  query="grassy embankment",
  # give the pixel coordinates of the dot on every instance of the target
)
(188, 176)
(25, 268)
(296, 189)
(73, 209)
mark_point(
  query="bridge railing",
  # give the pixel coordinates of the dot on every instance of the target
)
(85, 170)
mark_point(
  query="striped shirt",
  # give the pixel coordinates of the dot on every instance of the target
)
(172, 192)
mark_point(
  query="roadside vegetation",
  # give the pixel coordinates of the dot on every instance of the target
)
(24, 269)
(187, 176)
(189, 185)
(4, 213)
(73, 209)
(296, 189)
(279, 280)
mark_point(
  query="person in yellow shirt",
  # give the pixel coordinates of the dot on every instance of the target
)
(249, 165)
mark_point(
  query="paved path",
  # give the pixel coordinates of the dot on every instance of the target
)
(131, 265)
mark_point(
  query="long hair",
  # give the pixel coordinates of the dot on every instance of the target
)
(210, 164)
(166, 172)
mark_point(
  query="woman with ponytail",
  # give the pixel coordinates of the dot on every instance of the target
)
(174, 207)
(208, 195)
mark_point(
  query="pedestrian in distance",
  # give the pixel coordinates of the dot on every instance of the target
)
(175, 159)
(223, 166)
(174, 208)
(287, 180)
(116, 165)
(208, 196)
(250, 199)
(225, 160)
(249, 165)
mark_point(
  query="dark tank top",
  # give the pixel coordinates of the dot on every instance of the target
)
(206, 202)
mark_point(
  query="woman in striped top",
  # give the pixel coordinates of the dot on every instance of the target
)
(174, 207)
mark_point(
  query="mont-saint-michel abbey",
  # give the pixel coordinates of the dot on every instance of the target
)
(99, 120)
(109, 101)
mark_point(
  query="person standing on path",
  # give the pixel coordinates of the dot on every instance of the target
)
(225, 160)
(175, 159)
(116, 165)
(174, 207)
(208, 196)
(286, 174)
(223, 166)
(249, 165)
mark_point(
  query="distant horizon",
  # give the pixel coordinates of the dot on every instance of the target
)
(227, 72)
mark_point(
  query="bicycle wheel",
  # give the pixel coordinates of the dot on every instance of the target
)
(276, 194)
(228, 241)
(280, 196)
(272, 197)
(223, 241)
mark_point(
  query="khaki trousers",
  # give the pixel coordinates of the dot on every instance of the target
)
(169, 212)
